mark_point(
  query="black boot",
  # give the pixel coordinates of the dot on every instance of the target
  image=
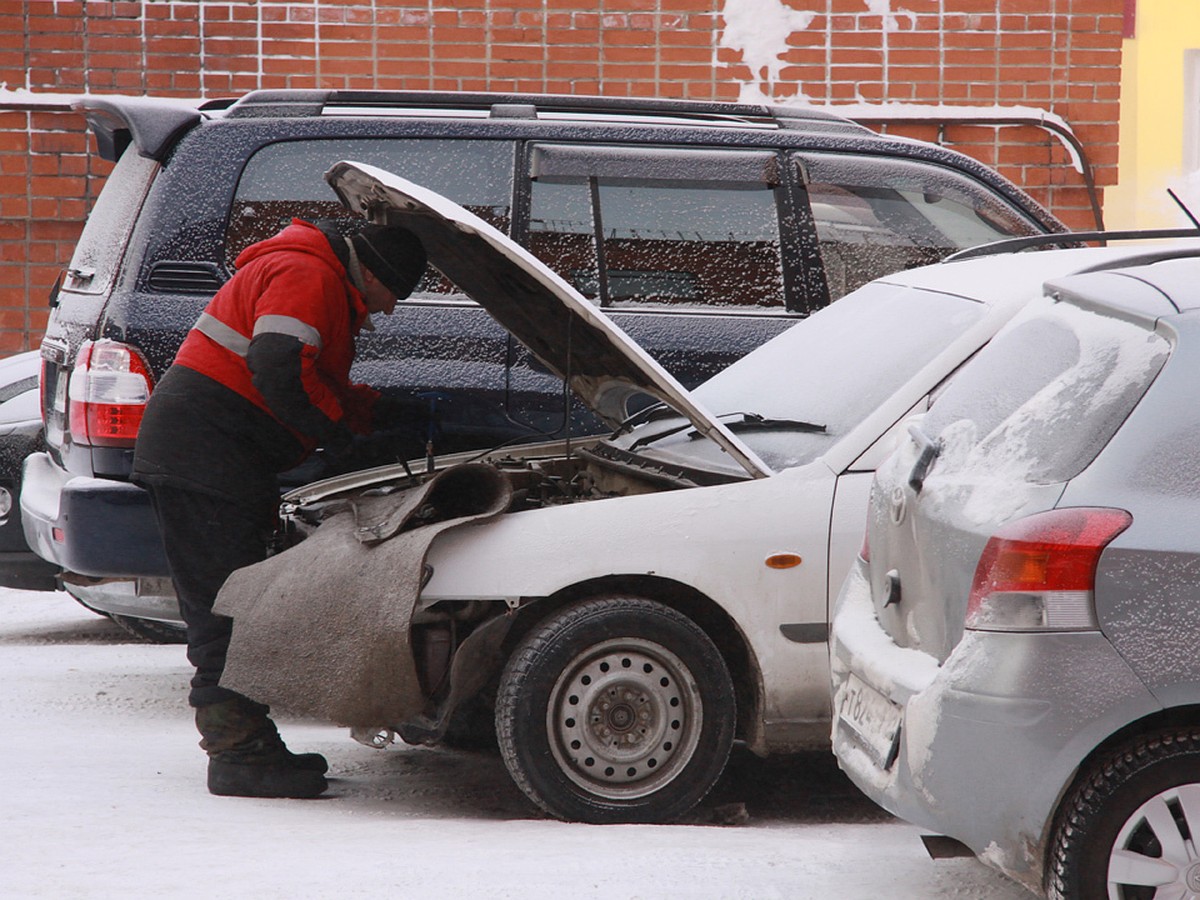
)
(247, 758)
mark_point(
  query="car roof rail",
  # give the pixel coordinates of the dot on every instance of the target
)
(270, 103)
(1070, 239)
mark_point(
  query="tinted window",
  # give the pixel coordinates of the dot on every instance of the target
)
(875, 216)
(286, 180)
(1045, 396)
(106, 234)
(628, 238)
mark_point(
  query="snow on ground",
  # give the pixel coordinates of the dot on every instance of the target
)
(102, 795)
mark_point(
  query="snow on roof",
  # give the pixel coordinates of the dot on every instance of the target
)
(24, 99)
(21, 98)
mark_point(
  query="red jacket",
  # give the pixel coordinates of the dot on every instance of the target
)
(292, 286)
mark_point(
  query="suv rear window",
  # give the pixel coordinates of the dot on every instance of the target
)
(1040, 402)
(102, 244)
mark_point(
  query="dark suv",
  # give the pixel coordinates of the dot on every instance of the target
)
(703, 229)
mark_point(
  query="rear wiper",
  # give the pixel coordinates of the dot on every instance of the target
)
(928, 450)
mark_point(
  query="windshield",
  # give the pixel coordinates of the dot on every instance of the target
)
(797, 395)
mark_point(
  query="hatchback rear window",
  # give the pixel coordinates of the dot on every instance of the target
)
(1040, 402)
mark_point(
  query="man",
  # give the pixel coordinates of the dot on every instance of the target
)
(261, 380)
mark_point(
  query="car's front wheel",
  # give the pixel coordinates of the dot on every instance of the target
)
(617, 709)
(1130, 829)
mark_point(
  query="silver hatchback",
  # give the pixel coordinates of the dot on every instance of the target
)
(1016, 652)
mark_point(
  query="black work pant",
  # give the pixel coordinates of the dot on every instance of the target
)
(207, 538)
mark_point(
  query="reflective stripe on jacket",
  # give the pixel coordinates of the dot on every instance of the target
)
(292, 291)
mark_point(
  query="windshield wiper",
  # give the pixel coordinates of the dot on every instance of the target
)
(645, 414)
(749, 422)
(755, 422)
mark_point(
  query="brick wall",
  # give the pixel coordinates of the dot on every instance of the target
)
(1058, 55)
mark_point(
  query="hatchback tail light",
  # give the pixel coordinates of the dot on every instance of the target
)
(1039, 573)
(108, 391)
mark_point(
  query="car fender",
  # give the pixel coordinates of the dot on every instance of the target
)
(716, 540)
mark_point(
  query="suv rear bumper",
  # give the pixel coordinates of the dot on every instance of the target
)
(92, 526)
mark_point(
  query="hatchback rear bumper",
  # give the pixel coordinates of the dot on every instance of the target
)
(990, 739)
(92, 526)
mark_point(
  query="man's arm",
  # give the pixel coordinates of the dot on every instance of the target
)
(282, 369)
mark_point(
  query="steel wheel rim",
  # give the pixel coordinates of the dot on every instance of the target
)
(624, 718)
(1157, 847)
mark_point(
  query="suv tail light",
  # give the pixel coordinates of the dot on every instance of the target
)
(108, 391)
(1039, 573)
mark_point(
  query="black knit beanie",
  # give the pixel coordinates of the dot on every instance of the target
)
(393, 254)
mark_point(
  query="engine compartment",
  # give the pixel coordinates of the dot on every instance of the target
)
(450, 637)
(589, 472)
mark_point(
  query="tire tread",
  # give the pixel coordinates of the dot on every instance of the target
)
(1084, 806)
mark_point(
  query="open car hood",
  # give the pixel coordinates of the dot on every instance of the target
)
(568, 334)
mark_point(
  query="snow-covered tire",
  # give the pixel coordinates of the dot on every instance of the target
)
(1131, 825)
(617, 709)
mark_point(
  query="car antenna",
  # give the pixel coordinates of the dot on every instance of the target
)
(1187, 212)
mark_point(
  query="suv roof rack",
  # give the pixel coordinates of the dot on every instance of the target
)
(1012, 245)
(288, 103)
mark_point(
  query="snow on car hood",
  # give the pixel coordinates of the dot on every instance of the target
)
(569, 335)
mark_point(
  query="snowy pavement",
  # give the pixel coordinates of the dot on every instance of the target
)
(102, 795)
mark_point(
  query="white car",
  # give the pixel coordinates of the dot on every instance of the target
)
(20, 435)
(649, 598)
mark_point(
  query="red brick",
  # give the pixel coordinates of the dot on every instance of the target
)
(509, 69)
(1065, 57)
(12, 342)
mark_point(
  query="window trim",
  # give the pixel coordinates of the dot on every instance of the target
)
(550, 162)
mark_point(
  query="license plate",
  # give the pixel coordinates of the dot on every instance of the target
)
(872, 718)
